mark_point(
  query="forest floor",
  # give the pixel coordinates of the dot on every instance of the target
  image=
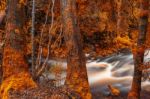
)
(98, 95)
(49, 92)
(44, 92)
(63, 93)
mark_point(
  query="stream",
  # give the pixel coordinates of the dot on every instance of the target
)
(116, 70)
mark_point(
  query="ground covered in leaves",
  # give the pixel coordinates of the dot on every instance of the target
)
(98, 95)
(63, 93)
(43, 92)
(47, 91)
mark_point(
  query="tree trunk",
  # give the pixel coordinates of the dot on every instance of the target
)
(15, 69)
(122, 23)
(2, 10)
(139, 55)
(76, 65)
(1, 51)
(2, 15)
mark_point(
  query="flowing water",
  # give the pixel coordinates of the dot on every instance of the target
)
(116, 70)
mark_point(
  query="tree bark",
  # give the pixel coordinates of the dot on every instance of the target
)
(122, 26)
(76, 65)
(139, 55)
(2, 15)
(15, 69)
(2, 10)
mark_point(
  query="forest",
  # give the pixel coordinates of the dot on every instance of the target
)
(74, 49)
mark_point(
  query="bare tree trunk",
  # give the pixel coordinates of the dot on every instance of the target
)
(122, 24)
(76, 73)
(1, 52)
(2, 15)
(2, 10)
(33, 37)
(139, 56)
(119, 16)
(15, 69)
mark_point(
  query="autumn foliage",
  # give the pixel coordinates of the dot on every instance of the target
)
(67, 29)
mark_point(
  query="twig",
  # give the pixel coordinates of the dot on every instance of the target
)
(32, 36)
(40, 70)
(38, 61)
(59, 37)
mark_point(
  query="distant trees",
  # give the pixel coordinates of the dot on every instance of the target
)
(15, 68)
(76, 78)
(139, 55)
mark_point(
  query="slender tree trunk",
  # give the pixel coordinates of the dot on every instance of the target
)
(139, 56)
(119, 16)
(2, 15)
(76, 73)
(15, 69)
(1, 51)
(33, 37)
(122, 26)
(2, 10)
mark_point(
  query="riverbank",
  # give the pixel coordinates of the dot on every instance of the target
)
(63, 93)
(144, 95)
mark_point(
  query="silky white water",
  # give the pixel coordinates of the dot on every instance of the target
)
(116, 70)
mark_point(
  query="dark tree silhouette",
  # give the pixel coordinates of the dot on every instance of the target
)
(139, 55)
(15, 68)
